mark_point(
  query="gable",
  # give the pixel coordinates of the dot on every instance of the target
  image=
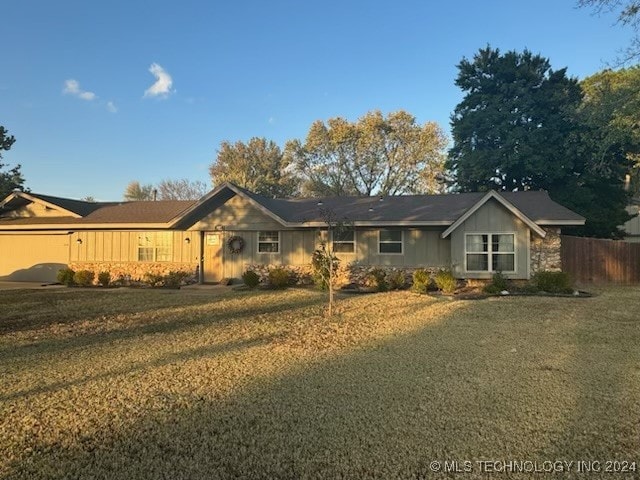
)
(237, 213)
(31, 209)
(492, 217)
(493, 196)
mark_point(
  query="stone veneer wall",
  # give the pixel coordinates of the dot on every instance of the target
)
(545, 252)
(136, 271)
(347, 274)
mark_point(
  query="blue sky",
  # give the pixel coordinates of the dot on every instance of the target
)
(88, 114)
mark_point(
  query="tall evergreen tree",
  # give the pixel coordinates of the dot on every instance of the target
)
(522, 125)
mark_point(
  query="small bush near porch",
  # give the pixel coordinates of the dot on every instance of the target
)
(177, 384)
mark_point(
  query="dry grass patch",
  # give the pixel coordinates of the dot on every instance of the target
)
(152, 384)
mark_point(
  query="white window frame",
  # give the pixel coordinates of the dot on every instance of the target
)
(343, 242)
(489, 253)
(258, 242)
(401, 242)
(153, 246)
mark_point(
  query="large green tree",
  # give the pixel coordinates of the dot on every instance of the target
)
(389, 155)
(512, 128)
(258, 165)
(12, 178)
(611, 107)
(523, 125)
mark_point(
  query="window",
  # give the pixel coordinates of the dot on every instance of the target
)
(269, 242)
(390, 241)
(491, 252)
(155, 246)
(344, 241)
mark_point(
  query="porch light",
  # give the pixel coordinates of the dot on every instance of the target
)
(187, 240)
(370, 209)
(79, 241)
(320, 203)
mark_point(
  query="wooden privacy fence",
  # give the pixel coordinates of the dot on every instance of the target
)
(595, 260)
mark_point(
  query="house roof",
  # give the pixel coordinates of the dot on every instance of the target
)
(445, 208)
(531, 206)
(78, 212)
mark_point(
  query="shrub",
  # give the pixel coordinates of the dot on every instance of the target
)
(174, 279)
(553, 282)
(83, 278)
(65, 276)
(492, 288)
(320, 262)
(421, 281)
(498, 283)
(377, 278)
(251, 279)
(445, 281)
(396, 280)
(104, 279)
(153, 279)
(279, 278)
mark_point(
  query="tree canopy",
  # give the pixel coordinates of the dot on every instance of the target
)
(181, 189)
(510, 131)
(135, 191)
(523, 125)
(257, 165)
(12, 178)
(389, 155)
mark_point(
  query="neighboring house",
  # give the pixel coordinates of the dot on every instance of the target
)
(473, 234)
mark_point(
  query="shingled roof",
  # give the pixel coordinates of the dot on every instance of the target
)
(407, 210)
(444, 208)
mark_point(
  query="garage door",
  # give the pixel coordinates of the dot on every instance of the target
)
(33, 258)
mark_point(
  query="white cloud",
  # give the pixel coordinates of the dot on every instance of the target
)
(72, 87)
(162, 86)
(111, 107)
(272, 120)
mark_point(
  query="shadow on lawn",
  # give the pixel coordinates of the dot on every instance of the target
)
(170, 319)
(177, 357)
(478, 384)
(602, 379)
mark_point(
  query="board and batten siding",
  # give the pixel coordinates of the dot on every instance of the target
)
(492, 217)
(296, 248)
(122, 246)
(422, 247)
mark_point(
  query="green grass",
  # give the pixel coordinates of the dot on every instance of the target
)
(156, 384)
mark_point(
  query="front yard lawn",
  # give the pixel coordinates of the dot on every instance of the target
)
(154, 384)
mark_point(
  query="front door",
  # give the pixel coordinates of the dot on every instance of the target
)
(213, 256)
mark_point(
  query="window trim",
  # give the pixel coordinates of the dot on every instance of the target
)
(354, 241)
(258, 242)
(490, 252)
(401, 242)
(154, 246)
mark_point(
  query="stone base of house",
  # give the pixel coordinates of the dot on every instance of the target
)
(137, 271)
(545, 252)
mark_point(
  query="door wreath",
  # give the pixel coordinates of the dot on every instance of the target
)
(235, 244)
